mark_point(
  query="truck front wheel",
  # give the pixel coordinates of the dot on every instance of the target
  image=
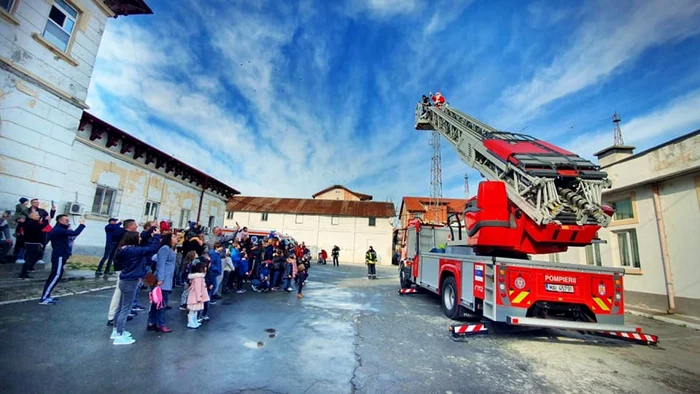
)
(450, 301)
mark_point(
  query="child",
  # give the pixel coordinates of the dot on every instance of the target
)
(265, 276)
(229, 271)
(290, 271)
(209, 281)
(242, 272)
(302, 275)
(198, 295)
(187, 264)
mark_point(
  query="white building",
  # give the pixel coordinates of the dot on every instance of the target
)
(339, 217)
(656, 197)
(47, 53)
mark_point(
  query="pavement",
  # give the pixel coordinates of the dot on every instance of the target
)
(347, 335)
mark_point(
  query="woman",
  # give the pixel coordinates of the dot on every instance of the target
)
(132, 260)
(165, 270)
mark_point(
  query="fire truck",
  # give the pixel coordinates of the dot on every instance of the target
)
(537, 199)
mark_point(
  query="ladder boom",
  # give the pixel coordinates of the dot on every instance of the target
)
(549, 184)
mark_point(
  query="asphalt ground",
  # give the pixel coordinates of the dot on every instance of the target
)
(347, 335)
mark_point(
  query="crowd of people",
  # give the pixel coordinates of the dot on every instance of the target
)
(163, 258)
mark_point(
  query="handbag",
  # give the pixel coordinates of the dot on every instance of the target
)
(156, 297)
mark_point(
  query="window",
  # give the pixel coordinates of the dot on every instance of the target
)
(212, 219)
(151, 211)
(263, 217)
(184, 217)
(60, 24)
(628, 248)
(104, 201)
(623, 209)
(7, 5)
(299, 219)
(372, 222)
(229, 215)
(335, 220)
(418, 215)
(593, 255)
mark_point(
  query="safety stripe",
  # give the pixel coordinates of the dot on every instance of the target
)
(469, 328)
(521, 297)
(634, 335)
(407, 291)
(55, 279)
(601, 304)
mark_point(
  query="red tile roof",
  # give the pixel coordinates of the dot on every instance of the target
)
(311, 206)
(419, 204)
(362, 197)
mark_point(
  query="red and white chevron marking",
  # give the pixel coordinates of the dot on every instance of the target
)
(634, 335)
(407, 291)
(469, 328)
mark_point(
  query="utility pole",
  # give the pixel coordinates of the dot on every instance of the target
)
(617, 130)
(435, 178)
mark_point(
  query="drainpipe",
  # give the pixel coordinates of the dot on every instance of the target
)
(664, 249)
(201, 198)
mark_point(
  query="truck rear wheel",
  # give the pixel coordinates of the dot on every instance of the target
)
(405, 277)
(450, 301)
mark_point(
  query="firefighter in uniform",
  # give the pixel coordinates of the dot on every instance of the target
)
(371, 261)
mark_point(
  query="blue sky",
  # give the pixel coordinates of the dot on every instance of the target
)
(280, 99)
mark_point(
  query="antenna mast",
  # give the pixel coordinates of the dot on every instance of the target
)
(435, 178)
(618, 131)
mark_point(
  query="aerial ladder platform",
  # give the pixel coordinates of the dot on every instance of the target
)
(537, 197)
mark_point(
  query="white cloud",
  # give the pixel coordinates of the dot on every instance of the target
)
(444, 15)
(607, 41)
(384, 8)
(678, 117)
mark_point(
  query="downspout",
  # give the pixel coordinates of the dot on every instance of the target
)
(664, 249)
(201, 198)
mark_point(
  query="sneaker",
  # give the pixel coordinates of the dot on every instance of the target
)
(123, 340)
(212, 302)
(19, 261)
(290, 289)
(254, 288)
(53, 299)
(132, 314)
(115, 335)
(200, 320)
(26, 277)
(138, 308)
(98, 273)
(205, 318)
(183, 307)
(40, 262)
(47, 301)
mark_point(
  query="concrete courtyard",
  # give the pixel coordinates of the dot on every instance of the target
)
(347, 335)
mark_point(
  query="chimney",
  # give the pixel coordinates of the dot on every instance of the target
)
(613, 154)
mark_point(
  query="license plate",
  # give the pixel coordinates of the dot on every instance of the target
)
(559, 288)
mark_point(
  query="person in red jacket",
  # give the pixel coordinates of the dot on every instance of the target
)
(438, 99)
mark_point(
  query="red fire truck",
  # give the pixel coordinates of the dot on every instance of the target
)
(538, 199)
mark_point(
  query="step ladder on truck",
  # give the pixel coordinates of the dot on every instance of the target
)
(537, 199)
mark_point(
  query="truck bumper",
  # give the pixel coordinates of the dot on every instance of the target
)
(621, 331)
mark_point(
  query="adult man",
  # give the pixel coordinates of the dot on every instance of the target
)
(222, 238)
(110, 245)
(34, 207)
(17, 222)
(129, 225)
(60, 243)
(33, 238)
(335, 253)
(371, 261)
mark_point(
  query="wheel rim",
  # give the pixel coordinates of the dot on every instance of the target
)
(448, 297)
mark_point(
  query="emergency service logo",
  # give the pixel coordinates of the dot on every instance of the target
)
(601, 289)
(520, 283)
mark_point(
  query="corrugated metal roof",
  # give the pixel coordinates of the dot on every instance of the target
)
(311, 206)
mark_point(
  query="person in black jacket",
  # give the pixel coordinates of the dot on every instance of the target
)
(60, 243)
(110, 245)
(33, 241)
